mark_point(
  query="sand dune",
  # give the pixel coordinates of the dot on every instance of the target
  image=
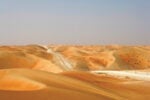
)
(111, 57)
(29, 84)
(86, 58)
(36, 72)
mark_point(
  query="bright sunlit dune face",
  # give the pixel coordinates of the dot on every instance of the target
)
(14, 82)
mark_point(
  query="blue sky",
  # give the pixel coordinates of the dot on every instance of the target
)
(75, 21)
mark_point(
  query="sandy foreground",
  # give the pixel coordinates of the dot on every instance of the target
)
(36, 72)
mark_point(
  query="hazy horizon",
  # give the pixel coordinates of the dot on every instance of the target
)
(74, 22)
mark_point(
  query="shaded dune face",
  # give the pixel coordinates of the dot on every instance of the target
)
(36, 72)
(18, 83)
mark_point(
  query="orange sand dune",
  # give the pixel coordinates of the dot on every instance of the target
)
(33, 84)
(59, 72)
(28, 84)
(63, 58)
(129, 87)
(19, 60)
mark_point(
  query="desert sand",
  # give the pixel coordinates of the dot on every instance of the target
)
(63, 72)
